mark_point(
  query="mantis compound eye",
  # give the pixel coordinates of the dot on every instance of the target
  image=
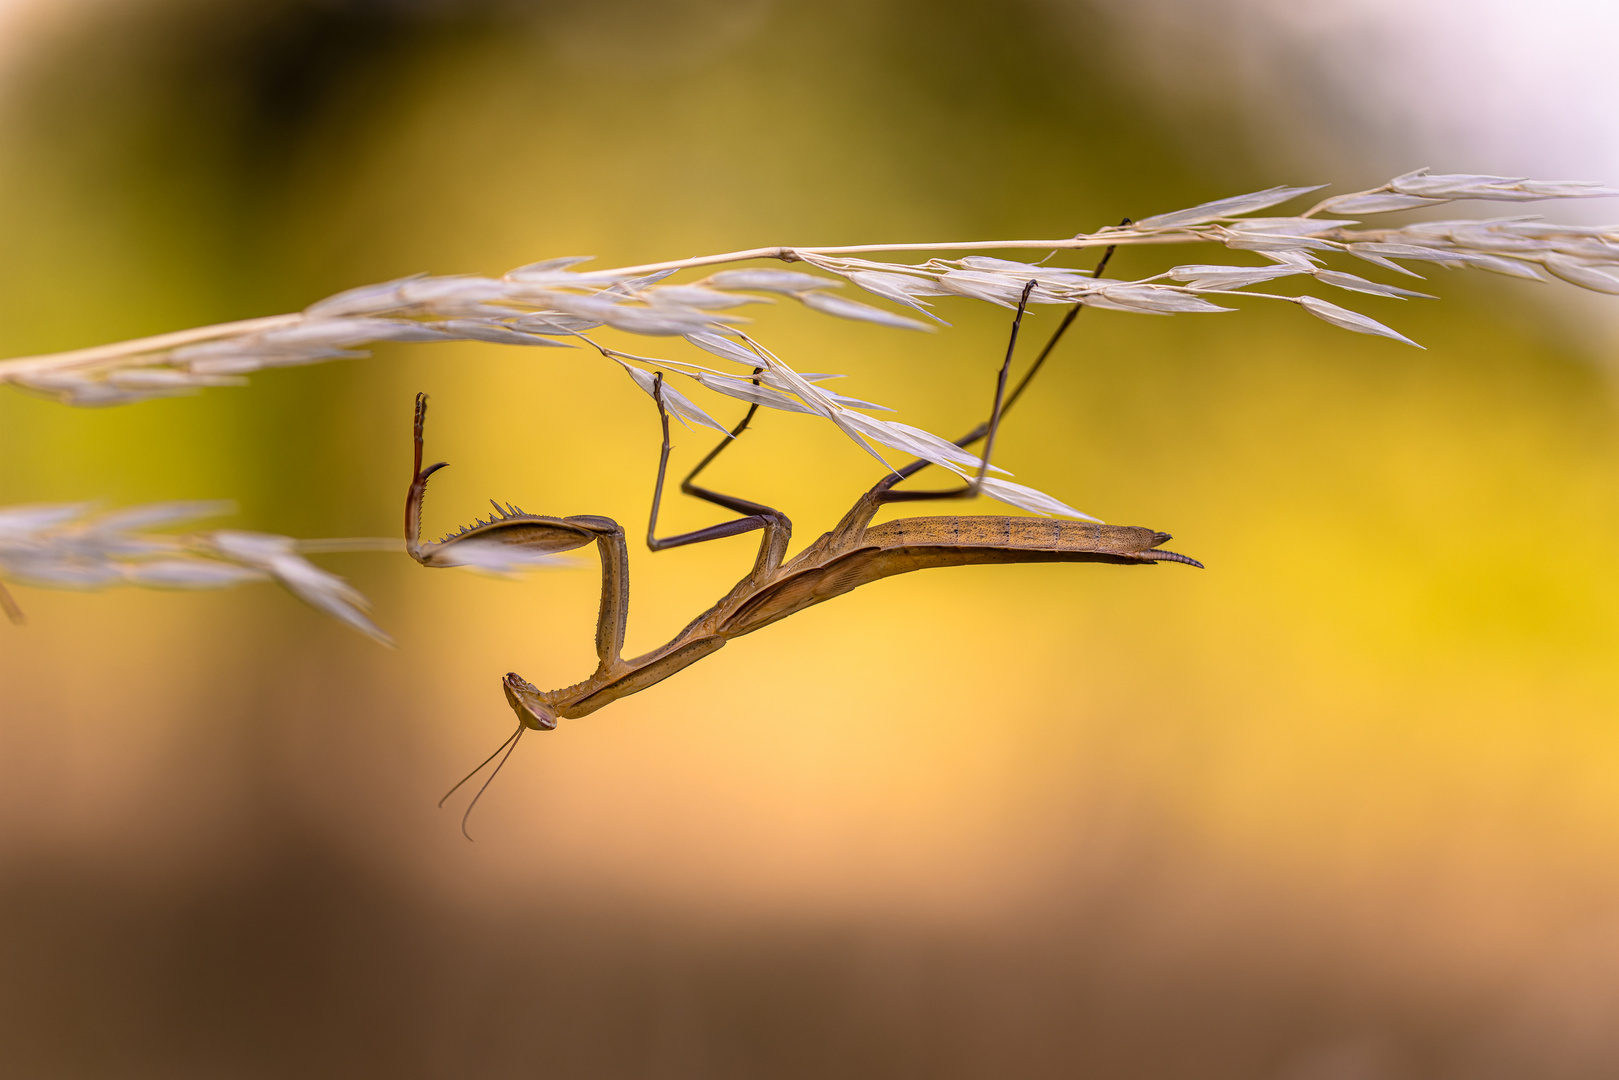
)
(527, 702)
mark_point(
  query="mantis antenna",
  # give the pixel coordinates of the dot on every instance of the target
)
(511, 740)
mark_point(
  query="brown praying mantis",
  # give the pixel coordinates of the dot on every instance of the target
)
(854, 553)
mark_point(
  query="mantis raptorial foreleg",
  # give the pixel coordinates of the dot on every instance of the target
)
(533, 535)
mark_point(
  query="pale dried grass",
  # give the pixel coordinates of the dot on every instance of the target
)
(551, 304)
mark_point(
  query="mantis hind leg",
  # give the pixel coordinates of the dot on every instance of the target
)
(881, 491)
(990, 429)
(864, 509)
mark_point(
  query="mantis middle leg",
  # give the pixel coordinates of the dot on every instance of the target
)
(778, 529)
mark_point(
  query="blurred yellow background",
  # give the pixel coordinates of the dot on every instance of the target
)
(1344, 806)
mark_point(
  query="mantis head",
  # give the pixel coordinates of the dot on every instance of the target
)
(528, 703)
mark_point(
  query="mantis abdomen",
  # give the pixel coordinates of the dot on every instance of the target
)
(898, 547)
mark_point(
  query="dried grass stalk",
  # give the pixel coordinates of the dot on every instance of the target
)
(551, 304)
(70, 546)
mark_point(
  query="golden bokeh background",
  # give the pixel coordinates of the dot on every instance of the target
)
(1345, 806)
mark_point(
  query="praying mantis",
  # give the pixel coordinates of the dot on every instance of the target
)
(854, 553)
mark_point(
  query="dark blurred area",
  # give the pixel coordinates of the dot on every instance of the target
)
(1343, 807)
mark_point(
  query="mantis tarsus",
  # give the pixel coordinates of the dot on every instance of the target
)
(852, 554)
